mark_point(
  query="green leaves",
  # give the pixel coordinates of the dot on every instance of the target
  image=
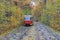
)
(26, 11)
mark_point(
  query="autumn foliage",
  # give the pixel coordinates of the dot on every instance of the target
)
(10, 16)
(48, 13)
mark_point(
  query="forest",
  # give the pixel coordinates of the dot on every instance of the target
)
(12, 13)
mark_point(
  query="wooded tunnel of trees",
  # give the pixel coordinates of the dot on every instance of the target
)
(48, 12)
(13, 11)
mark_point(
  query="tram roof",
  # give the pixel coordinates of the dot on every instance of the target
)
(28, 15)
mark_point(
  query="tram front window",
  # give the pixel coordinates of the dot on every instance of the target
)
(27, 18)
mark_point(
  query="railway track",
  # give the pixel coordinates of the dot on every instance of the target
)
(36, 32)
(47, 33)
(16, 34)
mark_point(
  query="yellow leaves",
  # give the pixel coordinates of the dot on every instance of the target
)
(36, 9)
(51, 23)
(26, 1)
(13, 9)
(55, 23)
(10, 22)
(2, 7)
(16, 0)
(19, 12)
(14, 21)
(4, 28)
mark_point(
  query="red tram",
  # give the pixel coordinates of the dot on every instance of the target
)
(28, 20)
